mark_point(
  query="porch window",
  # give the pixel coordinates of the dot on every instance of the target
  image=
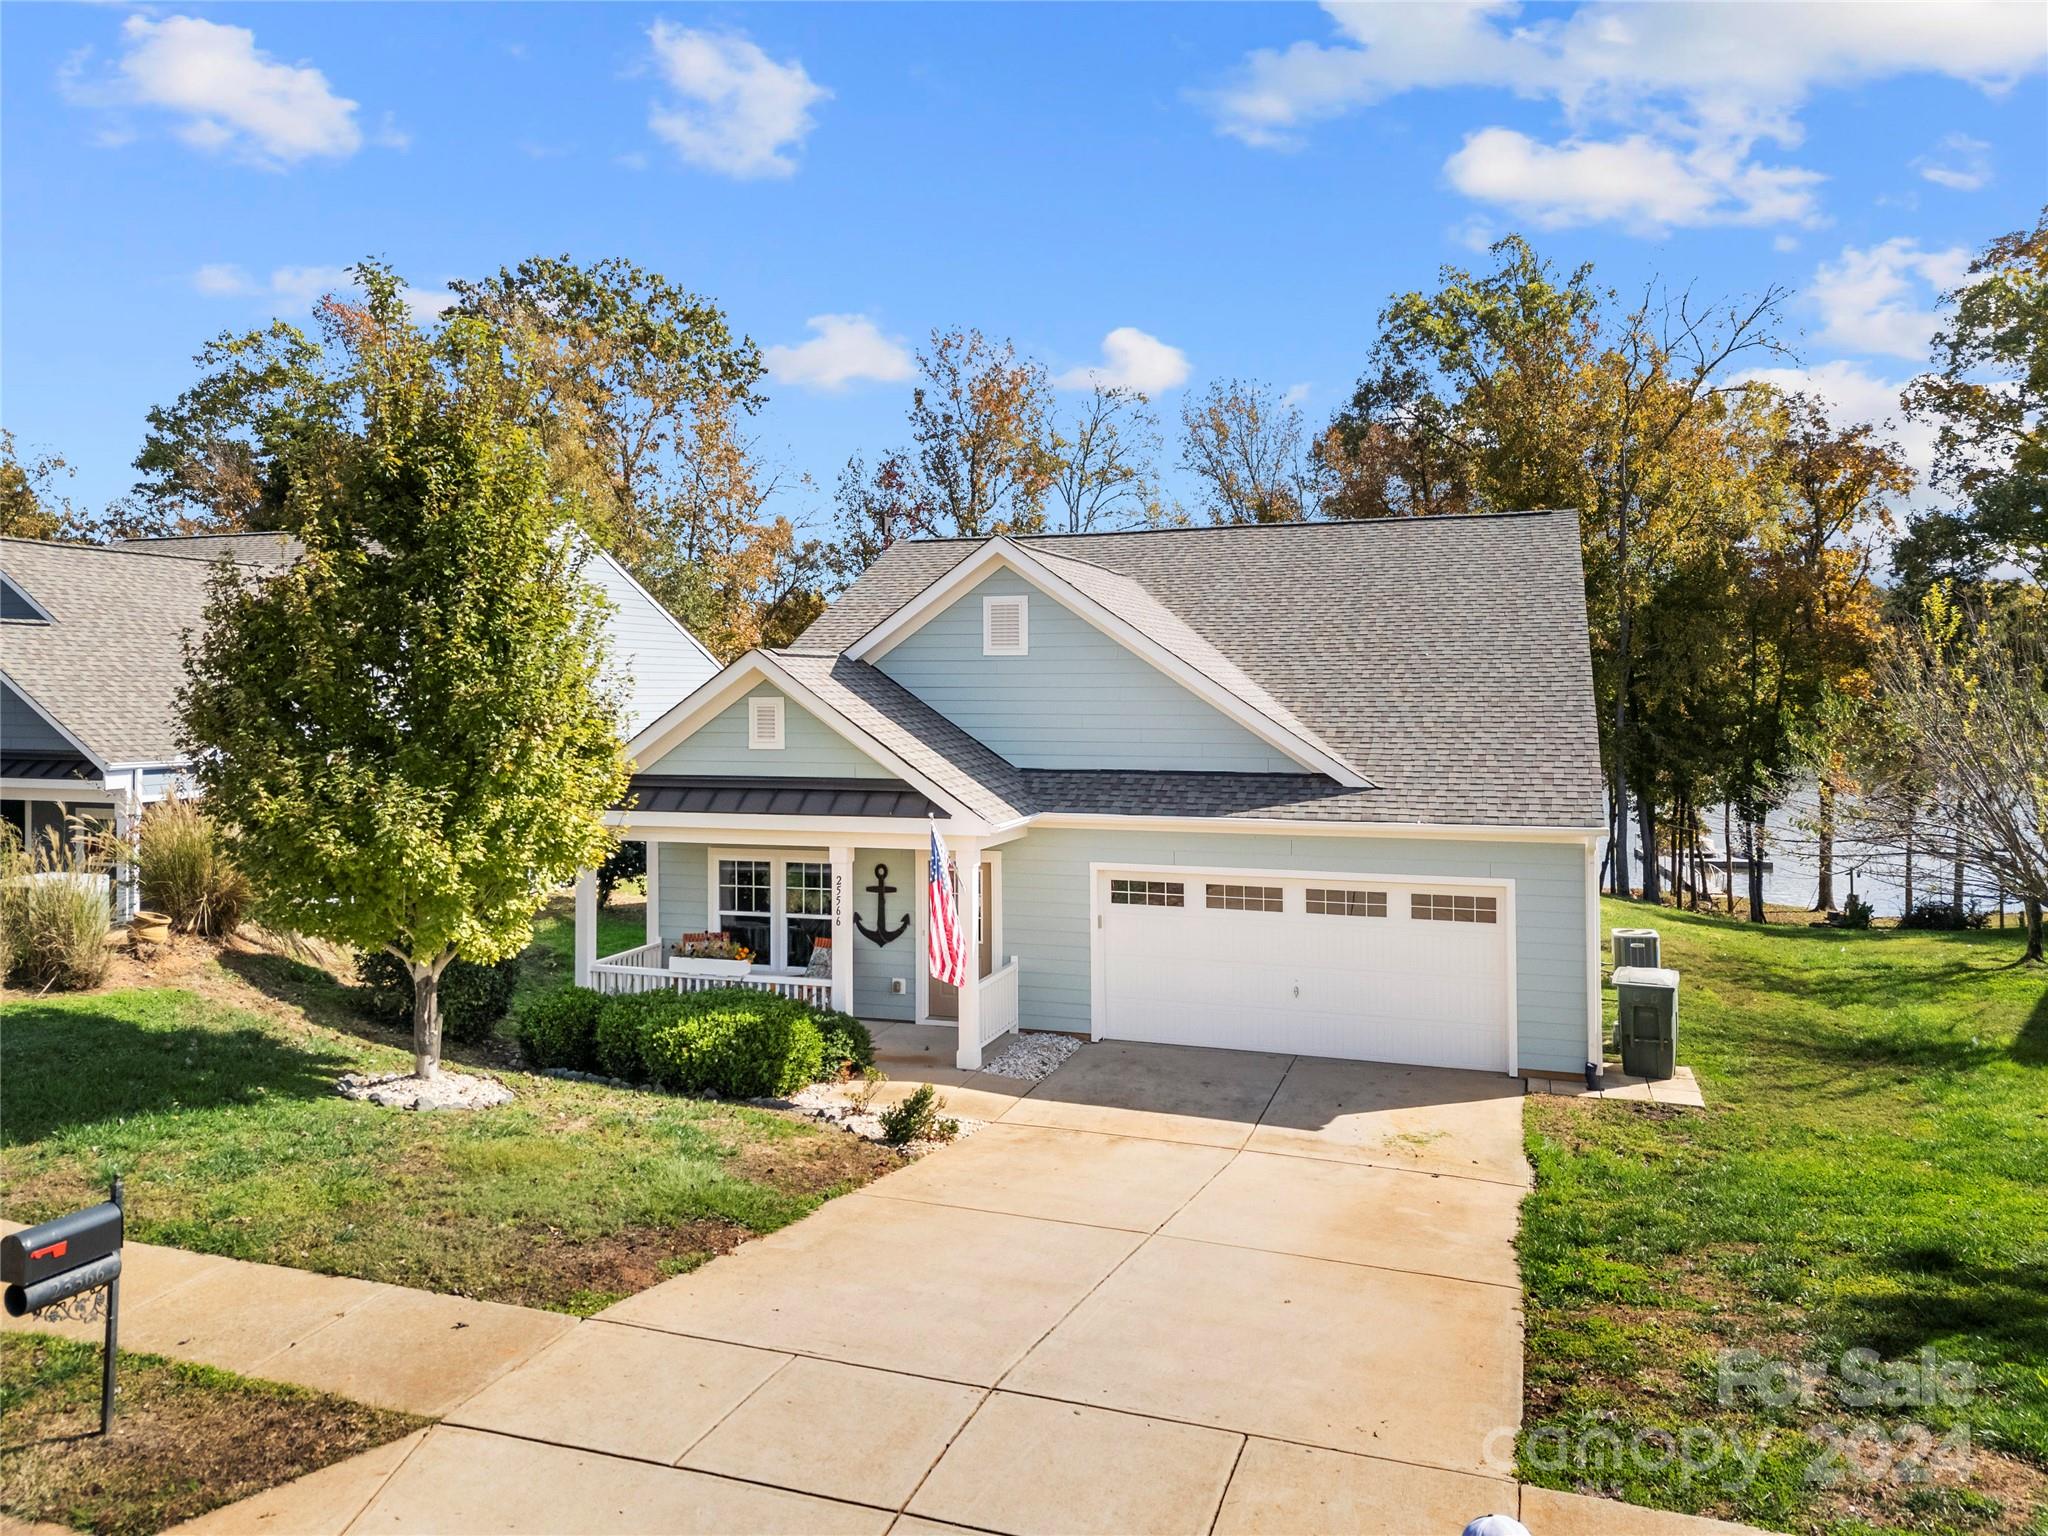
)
(807, 909)
(746, 904)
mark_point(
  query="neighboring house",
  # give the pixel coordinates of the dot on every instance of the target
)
(91, 659)
(1330, 789)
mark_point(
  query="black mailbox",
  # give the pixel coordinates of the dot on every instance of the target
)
(70, 1242)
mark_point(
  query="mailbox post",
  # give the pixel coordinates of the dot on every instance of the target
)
(60, 1264)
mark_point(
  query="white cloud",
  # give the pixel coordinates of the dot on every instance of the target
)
(1637, 181)
(297, 289)
(843, 350)
(1131, 359)
(736, 110)
(225, 93)
(1881, 299)
(1295, 395)
(1960, 163)
(1693, 83)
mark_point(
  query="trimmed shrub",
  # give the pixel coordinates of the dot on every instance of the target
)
(624, 1023)
(849, 1048)
(918, 1118)
(559, 1029)
(1941, 914)
(1856, 913)
(55, 915)
(735, 1041)
(473, 997)
(185, 872)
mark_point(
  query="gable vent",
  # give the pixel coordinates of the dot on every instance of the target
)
(1005, 626)
(764, 724)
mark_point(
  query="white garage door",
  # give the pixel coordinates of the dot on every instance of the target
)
(1373, 970)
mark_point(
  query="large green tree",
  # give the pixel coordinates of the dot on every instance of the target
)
(1988, 399)
(407, 729)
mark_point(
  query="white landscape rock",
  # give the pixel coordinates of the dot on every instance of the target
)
(1032, 1055)
(444, 1090)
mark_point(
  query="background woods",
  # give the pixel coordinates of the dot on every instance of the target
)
(1759, 585)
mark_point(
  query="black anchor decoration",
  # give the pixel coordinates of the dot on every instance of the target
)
(881, 933)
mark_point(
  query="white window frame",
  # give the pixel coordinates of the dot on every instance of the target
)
(755, 740)
(989, 605)
(778, 861)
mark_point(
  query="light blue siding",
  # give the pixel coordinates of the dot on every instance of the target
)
(24, 730)
(680, 873)
(1078, 700)
(1045, 913)
(811, 749)
(875, 965)
(654, 664)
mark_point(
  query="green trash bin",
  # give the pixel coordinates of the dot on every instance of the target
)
(1646, 1021)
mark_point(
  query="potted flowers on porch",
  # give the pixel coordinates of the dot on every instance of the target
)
(710, 955)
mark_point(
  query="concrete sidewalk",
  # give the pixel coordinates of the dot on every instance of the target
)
(380, 1344)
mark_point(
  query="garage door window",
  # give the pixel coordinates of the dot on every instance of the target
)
(1452, 909)
(1147, 893)
(1334, 903)
(1244, 898)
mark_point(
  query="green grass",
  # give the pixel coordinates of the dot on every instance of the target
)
(186, 1438)
(220, 1112)
(550, 961)
(1872, 1173)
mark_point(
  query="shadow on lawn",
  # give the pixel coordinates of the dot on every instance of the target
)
(2030, 1045)
(72, 1066)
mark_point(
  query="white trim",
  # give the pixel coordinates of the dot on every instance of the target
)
(989, 605)
(57, 725)
(1098, 956)
(627, 576)
(765, 709)
(906, 620)
(1467, 832)
(653, 928)
(1596, 1051)
(586, 925)
(715, 694)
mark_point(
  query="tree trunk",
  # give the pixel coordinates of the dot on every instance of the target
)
(426, 1020)
(1756, 871)
(1956, 883)
(1824, 897)
(1653, 877)
(1728, 855)
(1624, 877)
(1909, 866)
(2033, 906)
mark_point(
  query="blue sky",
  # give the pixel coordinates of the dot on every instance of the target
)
(1230, 190)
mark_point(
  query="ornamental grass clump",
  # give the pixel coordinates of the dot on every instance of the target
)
(54, 910)
(185, 871)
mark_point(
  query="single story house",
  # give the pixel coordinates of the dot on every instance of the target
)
(91, 659)
(1330, 789)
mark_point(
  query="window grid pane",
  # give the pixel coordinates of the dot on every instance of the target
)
(743, 886)
(1453, 909)
(1341, 903)
(1245, 898)
(1147, 893)
(808, 889)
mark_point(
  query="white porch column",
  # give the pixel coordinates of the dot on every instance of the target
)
(653, 892)
(586, 925)
(842, 927)
(967, 859)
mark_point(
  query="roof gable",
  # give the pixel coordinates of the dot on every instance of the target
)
(1134, 619)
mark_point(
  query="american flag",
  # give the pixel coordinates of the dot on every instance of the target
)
(944, 944)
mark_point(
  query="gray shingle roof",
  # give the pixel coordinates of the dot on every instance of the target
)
(1445, 657)
(109, 665)
(269, 549)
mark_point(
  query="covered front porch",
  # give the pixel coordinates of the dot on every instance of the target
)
(834, 916)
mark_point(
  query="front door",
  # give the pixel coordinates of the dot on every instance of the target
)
(945, 997)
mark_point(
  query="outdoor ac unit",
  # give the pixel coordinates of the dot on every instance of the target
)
(1637, 947)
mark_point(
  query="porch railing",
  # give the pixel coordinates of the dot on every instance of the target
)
(645, 969)
(999, 1002)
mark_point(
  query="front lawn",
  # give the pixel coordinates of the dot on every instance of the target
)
(215, 1099)
(186, 1438)
(1871, 1174)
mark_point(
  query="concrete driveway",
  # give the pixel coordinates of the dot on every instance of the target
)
(1165, 1290)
